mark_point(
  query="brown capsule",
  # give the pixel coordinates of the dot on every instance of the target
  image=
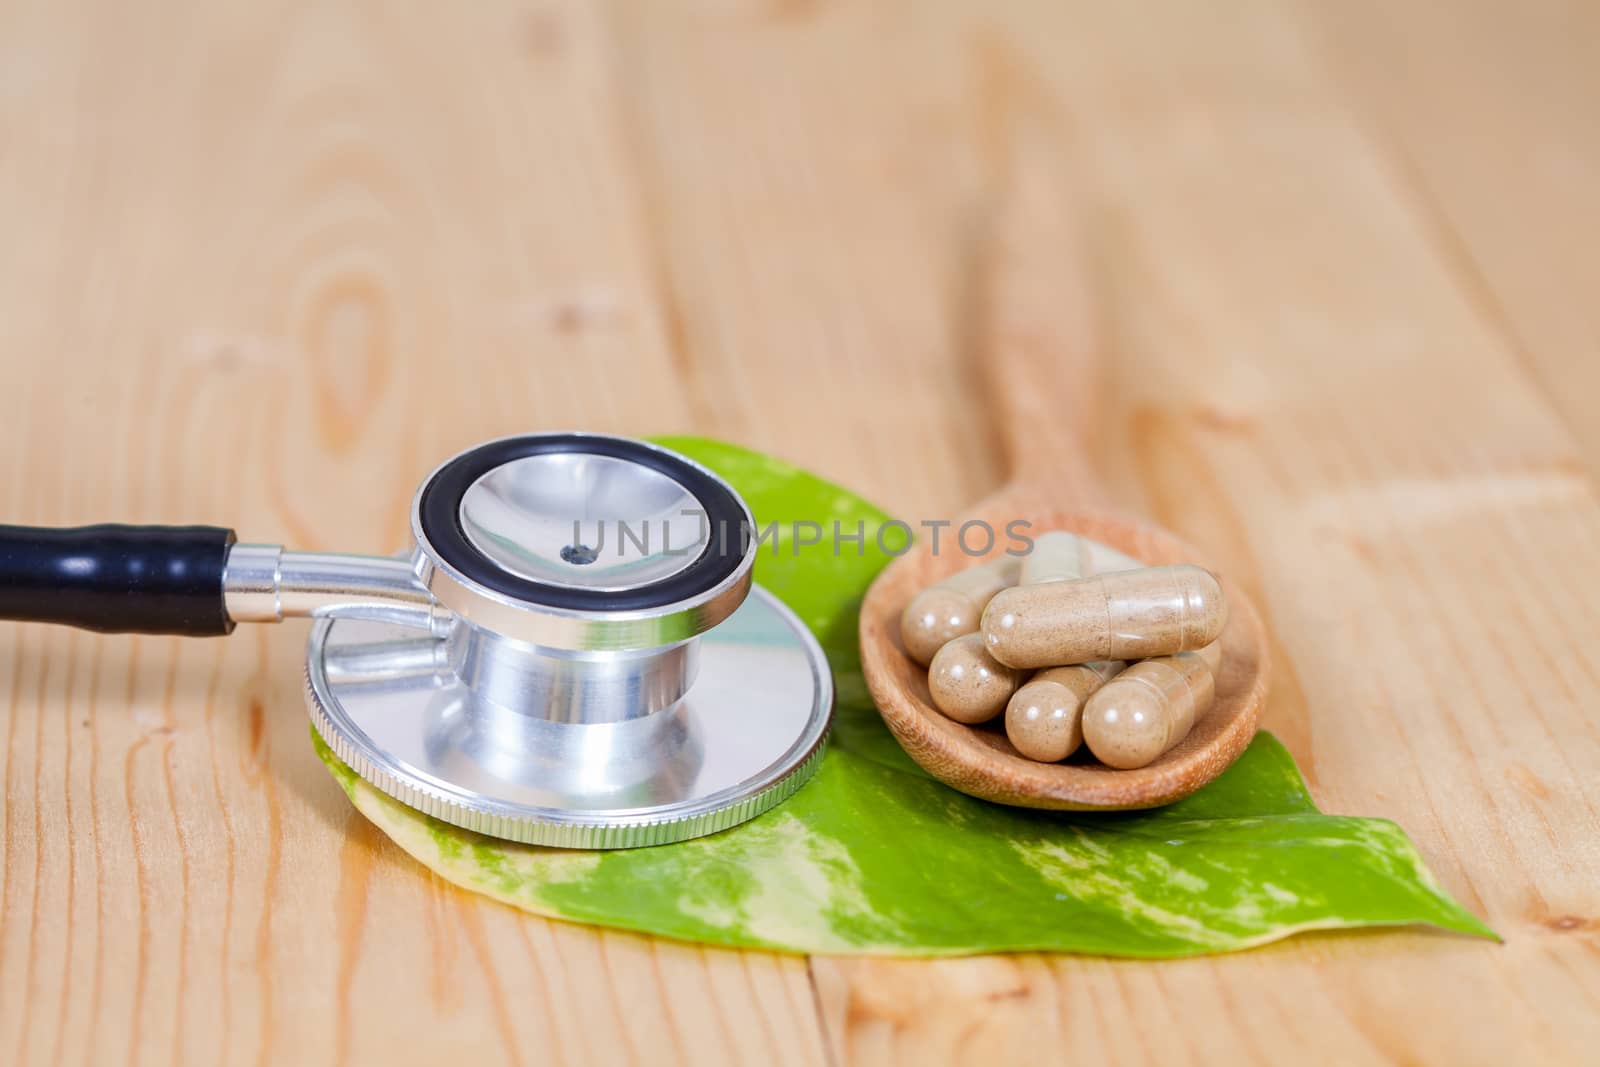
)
(1150, 707)
(948, 609)
(1154, 611)
(1044, 719)
(1061, 556)
(966, 682)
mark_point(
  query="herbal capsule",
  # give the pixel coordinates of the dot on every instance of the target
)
(1044, 719)
(966, 682)
(952, 607)
(1150, 707)
(1059, 556)
(1155, 611)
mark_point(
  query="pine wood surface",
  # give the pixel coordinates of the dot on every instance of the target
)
(264, 263)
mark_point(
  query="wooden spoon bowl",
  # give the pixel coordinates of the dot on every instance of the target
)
(979, 760)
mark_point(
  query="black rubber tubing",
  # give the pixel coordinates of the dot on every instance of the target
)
(117, 579)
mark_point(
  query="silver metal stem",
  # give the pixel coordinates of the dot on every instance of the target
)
(266, 583)
(570, 687)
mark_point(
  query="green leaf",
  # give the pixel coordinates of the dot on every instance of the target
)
(873, 856)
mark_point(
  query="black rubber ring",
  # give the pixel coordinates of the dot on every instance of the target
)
(440, 514)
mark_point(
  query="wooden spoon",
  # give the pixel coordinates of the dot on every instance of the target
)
(1035, 338)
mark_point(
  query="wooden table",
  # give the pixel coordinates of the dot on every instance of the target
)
(264, 263)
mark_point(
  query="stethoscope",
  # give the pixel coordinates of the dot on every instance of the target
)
(572, 654)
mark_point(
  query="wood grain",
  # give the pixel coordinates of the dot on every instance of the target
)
(1498, 165)
(263, 263)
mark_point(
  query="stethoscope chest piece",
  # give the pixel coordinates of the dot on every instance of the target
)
(590, 665)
